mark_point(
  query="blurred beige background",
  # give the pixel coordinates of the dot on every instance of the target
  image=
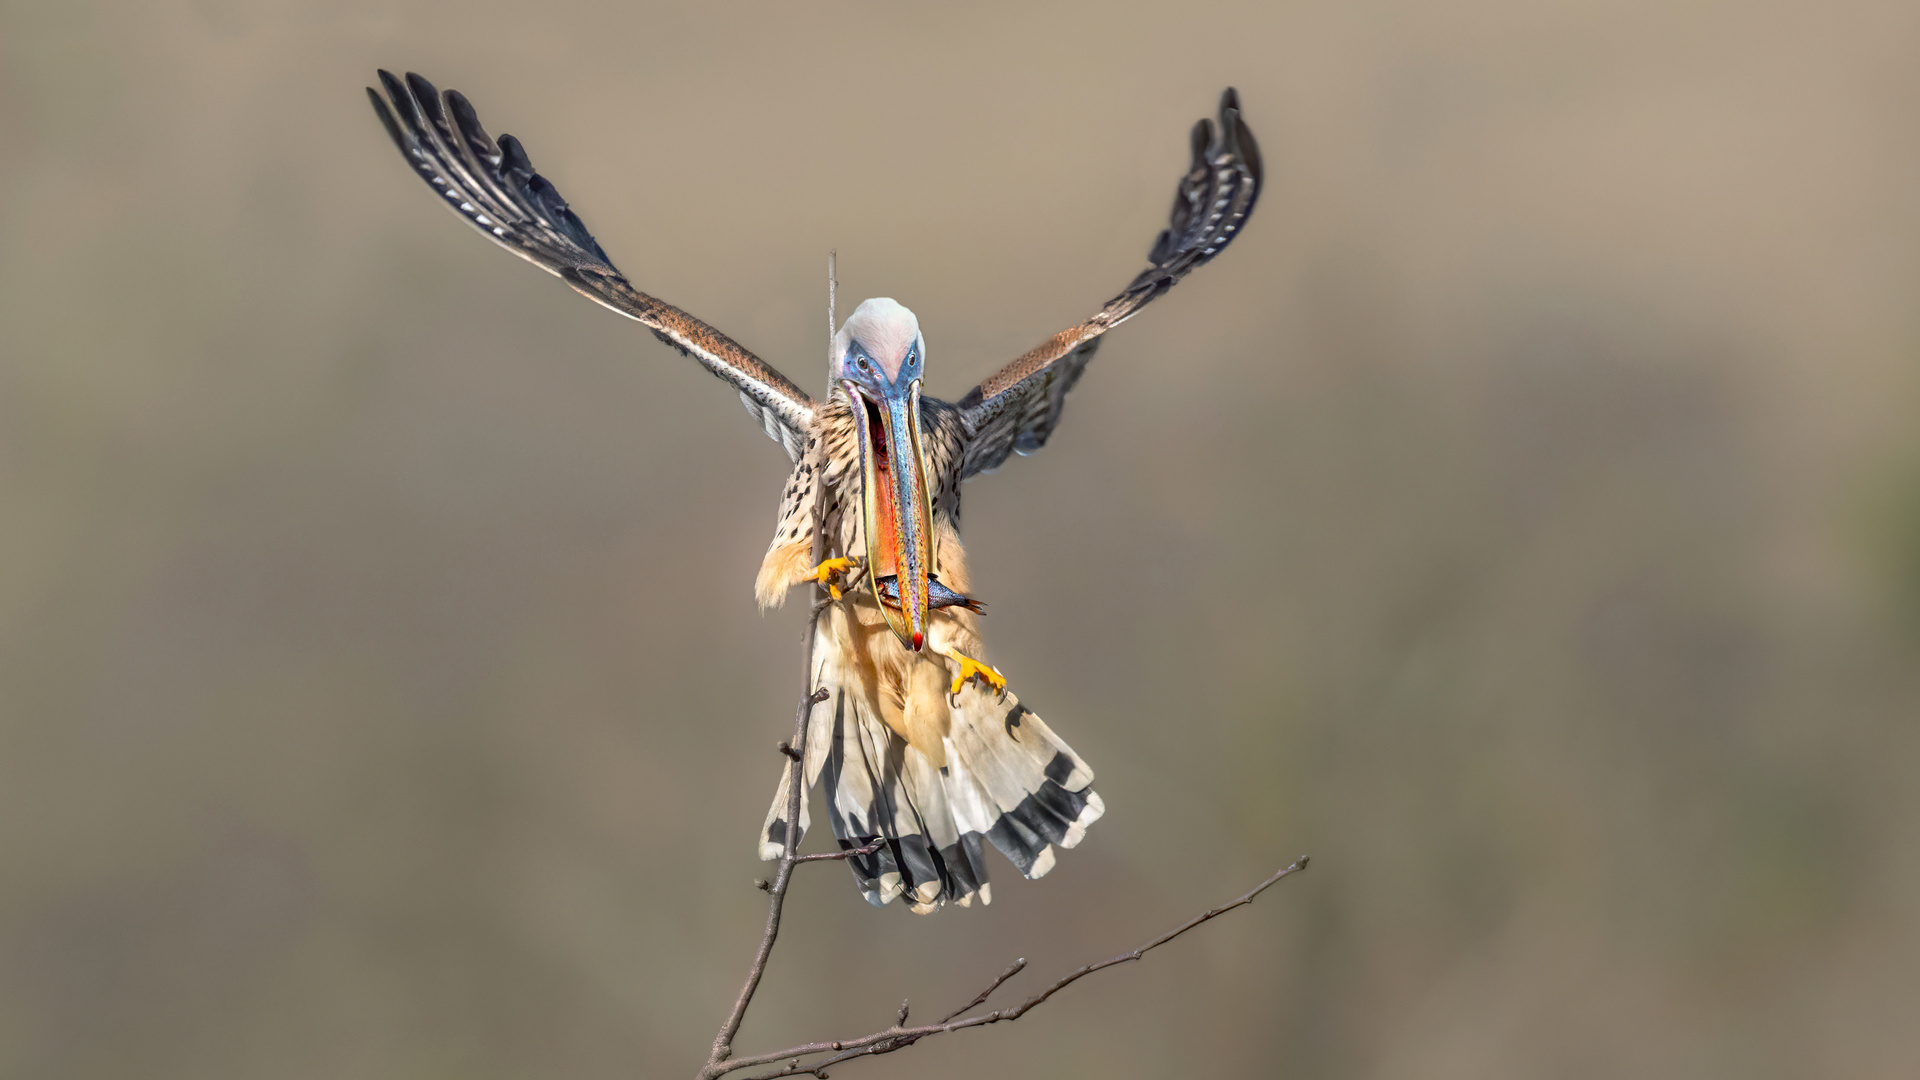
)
(1523, 519)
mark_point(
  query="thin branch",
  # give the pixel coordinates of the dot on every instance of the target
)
(872, 846)
(846, 590)
(980, 999)
(723, 1042)
(796, 794)
(900, 1037)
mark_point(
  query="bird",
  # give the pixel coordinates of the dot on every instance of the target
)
(926, 756)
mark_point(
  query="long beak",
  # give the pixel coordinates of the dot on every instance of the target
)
(894, 506)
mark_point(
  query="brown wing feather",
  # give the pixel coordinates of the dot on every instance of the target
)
(493, 187)
(1017, 407)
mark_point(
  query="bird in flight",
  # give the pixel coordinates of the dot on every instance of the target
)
(922, 745)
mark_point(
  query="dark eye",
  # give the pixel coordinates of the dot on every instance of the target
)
(863, 363)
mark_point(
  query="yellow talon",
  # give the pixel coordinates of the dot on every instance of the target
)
(969, 668)
(825, 572)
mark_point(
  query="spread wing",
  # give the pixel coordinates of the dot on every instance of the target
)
(1017, 408)
(493, 187)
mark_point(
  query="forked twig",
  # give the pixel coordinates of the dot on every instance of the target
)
(899, 1037)
(980, 999)
(723, 1042)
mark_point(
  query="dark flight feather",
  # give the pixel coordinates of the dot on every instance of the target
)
(492, 185)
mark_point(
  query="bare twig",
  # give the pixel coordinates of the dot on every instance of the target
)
(899, 1037)
(853, 579)
(979, 999)
(777, 890)
(872, 846)
(796, 793)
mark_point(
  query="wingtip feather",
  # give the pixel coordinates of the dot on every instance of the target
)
(467, 122)
(424, 93)
(1239, 137)
(387, 119)
(1201, 139)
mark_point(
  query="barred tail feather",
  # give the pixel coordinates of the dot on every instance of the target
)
(1034, 792)
(1008, 780)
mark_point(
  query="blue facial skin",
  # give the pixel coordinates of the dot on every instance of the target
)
(892, 464)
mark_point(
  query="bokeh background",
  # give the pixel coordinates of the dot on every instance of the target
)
(1523, 519)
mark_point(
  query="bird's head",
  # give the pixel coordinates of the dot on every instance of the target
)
(878, 358)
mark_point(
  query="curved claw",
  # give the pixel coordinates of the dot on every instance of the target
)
(827, 570)
(971, 669)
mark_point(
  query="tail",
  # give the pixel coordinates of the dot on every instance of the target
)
(1007, 780)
